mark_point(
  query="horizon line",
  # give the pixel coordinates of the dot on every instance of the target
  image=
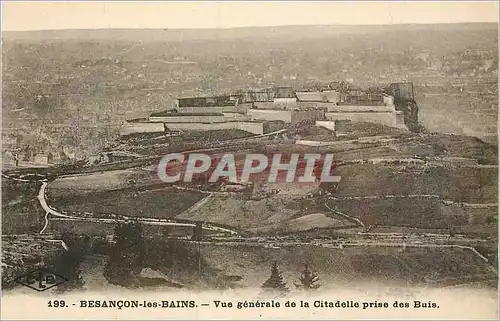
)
(256, 27)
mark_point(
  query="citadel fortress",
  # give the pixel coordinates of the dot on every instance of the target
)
(253, 111)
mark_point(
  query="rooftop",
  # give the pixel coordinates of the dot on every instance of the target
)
(310, 96)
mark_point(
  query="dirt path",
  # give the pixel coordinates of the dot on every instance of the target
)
(149, 221)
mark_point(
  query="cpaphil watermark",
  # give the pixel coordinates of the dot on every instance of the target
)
(244, 168)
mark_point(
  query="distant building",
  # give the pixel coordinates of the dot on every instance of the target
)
(359, 97)
(68, 153)
(41, 159)
(333, 96)
(311, 96)
(285, 98)
(9, 158)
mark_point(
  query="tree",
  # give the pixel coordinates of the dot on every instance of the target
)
(127, 255)
(308, 280)
(68, 264)
(275, 281)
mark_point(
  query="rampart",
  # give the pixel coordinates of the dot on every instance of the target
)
(197, 118)
(288, 116)
(392, 119)
(251, 127)
(332, 108)
(158, 127)
(241, 108)
(270, 114)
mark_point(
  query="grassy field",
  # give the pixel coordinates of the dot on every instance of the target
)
(15, 192)
(460, 146)
(418, 212)
(462, 184)
(26, 217)
(280, 214)
(145, 139)
(158, 203)
(349, 266)
(103, 181)
(243, 213)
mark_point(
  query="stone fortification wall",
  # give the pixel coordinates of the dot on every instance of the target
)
(251, 127)
(383, 118)
(270, 114)
(241, 108)
(288, 116)
(301, 115)
(332, 108)
(156, 127)
(199, 118)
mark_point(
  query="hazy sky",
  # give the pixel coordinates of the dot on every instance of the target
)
(90, 15)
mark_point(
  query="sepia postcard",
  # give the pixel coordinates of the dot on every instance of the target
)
(199, 160)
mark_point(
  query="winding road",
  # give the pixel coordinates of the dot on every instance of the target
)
(148, 221)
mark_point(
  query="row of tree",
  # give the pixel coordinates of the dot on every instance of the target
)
(308, 281)
(126, 258)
